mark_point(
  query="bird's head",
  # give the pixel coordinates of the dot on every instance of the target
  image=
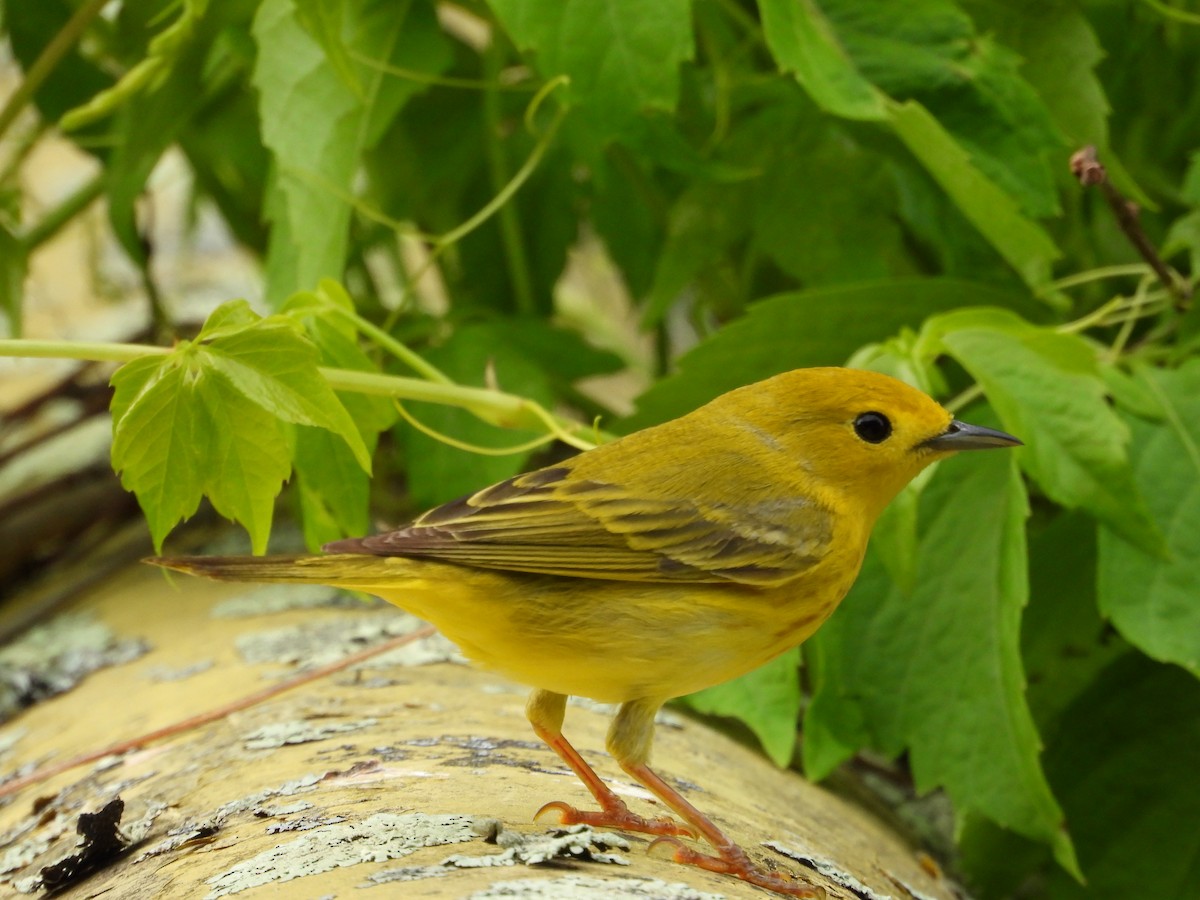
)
(865, 434)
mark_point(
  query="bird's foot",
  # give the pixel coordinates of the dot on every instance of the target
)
(732, 860)
(615, 815)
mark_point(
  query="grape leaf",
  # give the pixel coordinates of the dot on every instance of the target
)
(205, 420)
(766, 700)
(159, 443)
(622, 56)
(317, 126)
(884, 661)
(1023, 243)
(1151, 600)
(1047, 388)
(929, 52)
(805, 43)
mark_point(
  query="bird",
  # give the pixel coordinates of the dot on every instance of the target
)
(666, 561)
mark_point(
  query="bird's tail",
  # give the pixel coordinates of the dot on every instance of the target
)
(341, 569)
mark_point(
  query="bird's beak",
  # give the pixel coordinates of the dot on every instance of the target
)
(961, 436)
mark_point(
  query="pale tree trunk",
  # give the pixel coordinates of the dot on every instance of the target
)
(409, 774)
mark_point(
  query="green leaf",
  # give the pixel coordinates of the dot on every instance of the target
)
(1047, 388)
(181, 431)
(820, 327)
(766, 700)
(563, 356)
(205, 420)
(275, 367)
(939, 670)
(323, 20)
(1022, 242)
(622, 56)
(1153, 601)
(705, 220)
(317, 127)
(816, 186)
(803, 42)
(248, 457)
(159, 442)
(1059, 53)
(194, 70)
(1065, 641)
(1131, 392)
(334, 490)
(929, 52)
(1126, 766)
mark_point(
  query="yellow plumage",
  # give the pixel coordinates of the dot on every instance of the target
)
(667, 561)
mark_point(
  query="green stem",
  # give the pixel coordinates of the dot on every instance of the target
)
(90, 352)
(22, 146)
(505, 194)
(515, 257)
(1097, 275)
(50, 57)
(495, 407)
(53, 221)
(965, 397)
(394, 347)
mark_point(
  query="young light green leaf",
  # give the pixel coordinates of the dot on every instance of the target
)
(939, 670)
(180, 431)
(159, 440)
(1047, 389)
(766, 700)
(205, 420)
(275, 367)
(1151, 600)
(248, 458)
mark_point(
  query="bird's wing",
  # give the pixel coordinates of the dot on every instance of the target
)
(552, 523)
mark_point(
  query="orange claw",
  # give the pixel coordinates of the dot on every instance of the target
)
(612, 816)
(733, 861)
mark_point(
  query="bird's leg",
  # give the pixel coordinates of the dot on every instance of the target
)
(629, 741)
(545, 710)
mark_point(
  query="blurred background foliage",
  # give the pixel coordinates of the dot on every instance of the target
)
(618, 210)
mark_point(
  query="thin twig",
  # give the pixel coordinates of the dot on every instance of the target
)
(1088, 169)
(39, 775)
(51, 55)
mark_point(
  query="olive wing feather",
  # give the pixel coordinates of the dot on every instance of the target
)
(551, 522)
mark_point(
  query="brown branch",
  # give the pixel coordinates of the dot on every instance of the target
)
(1088, 169)
(49, 771)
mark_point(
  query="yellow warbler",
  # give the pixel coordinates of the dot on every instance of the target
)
(664, 562)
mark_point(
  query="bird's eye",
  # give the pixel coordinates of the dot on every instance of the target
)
(873, 427)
